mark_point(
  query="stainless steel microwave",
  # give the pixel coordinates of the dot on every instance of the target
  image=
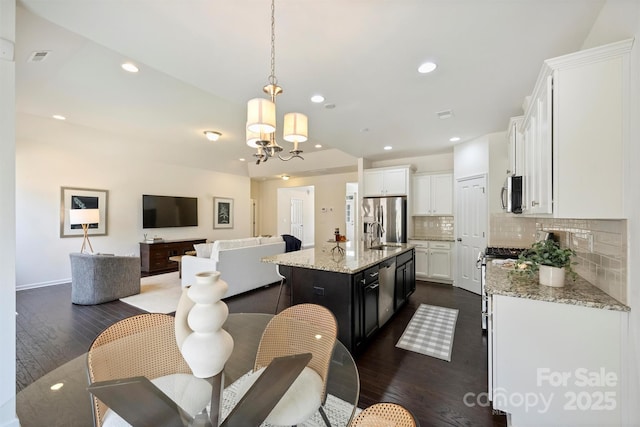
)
(511, 194)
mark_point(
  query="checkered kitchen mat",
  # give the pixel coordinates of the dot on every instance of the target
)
(430, 331)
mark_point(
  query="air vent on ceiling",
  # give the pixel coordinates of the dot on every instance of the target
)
(446, 114)
(39, 56)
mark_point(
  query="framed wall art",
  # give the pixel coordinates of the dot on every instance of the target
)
(222, 212)
(83, 198)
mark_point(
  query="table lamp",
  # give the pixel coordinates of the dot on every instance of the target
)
(84, 217)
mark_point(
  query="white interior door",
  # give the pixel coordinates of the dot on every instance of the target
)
(471, 224)
(297, 218)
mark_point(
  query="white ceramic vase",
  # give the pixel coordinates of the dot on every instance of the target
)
(205, 346)
(551, 276)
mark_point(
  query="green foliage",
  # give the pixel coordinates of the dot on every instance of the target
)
(547, 252)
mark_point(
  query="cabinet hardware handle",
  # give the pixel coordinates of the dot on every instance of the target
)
(459, 239)
(534, 203)
(373, 274)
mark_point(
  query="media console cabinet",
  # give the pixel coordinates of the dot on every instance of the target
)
(154, 257)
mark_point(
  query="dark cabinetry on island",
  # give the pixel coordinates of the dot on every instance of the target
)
(154, 257)
(354, 297)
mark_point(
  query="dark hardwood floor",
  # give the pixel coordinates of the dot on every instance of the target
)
(51, 331)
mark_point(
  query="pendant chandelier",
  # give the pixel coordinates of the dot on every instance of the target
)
(261, 117)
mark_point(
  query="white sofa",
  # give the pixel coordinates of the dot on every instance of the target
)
(238, 262)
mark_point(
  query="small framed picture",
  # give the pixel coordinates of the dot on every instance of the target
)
(82, 198)
(222, 212)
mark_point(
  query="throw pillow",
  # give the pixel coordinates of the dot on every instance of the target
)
(203, 250)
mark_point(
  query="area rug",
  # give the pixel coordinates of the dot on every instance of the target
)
(430, 331)
(338, 411)
(158, 294)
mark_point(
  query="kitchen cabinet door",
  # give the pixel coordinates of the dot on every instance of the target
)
(516, 146)
(373, 183)
(395, 182)
(440, 264)
(569, 356)
(422, 262)
(432, 194)
(386, 182)
(442, 194)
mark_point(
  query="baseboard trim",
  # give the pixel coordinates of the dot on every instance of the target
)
(42, 284)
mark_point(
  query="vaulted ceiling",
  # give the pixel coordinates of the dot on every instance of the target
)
(201, 60)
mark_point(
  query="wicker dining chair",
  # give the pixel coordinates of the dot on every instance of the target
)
(302, 328)
(142, 345)
(385, 415)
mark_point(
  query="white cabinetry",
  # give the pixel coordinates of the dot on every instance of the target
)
(432, 194)
(516, 146)
(386, 182)
(575, 135)
(434, 260)
(556, 364)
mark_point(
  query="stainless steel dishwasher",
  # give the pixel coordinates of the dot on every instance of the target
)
(387, 280)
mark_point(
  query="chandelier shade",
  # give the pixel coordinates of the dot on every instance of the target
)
(257, 139)
(261, 115)
(295, 127)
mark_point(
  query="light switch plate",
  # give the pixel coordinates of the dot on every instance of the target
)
(6, 50)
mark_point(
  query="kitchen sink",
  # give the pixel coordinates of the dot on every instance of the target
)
(386, 246)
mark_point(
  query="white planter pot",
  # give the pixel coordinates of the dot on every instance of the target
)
(551, 276)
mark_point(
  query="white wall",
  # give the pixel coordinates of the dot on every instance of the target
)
(52, 154)
(7, 223)
(433, 163)
(471, 158)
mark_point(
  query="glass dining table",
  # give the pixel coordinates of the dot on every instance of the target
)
(70, 404)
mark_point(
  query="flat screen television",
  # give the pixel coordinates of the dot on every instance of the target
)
(169, 211)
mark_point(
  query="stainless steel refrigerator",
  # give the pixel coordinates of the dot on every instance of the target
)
(385, 218)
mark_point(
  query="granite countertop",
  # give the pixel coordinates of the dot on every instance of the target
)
(433, 238)
(355, 258)
(578, 292)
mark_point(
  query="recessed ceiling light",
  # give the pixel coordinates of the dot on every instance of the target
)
(242, 159)
(128, 66)
(318, 145)
(388, 147)
(285, 177)
(454, 139)
(427, 67)
(212, 135)
(56, 386)
(317, 99)
(59, 117)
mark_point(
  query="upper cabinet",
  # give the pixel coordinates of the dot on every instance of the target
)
(574, 134)
(432, 194)
(516, 146)
(383, 182)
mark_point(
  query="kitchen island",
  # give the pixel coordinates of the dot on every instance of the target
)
(362, 287)
(558, 349)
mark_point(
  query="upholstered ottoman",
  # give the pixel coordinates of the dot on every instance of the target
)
(101, 278)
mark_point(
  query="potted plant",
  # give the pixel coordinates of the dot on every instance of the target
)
(550, 260)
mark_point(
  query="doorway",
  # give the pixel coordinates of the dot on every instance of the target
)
(295, 213)
(471, 223)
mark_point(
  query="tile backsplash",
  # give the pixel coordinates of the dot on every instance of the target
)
(433, 226)
(600, 245)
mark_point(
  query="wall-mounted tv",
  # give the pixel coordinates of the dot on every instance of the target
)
(169, 211)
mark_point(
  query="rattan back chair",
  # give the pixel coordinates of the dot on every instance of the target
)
(385, 415)
(302, 328)
(142, 345)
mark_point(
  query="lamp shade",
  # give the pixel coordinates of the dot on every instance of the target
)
(84, 216)
(254, 137)
(261, 115)
(295, 127)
